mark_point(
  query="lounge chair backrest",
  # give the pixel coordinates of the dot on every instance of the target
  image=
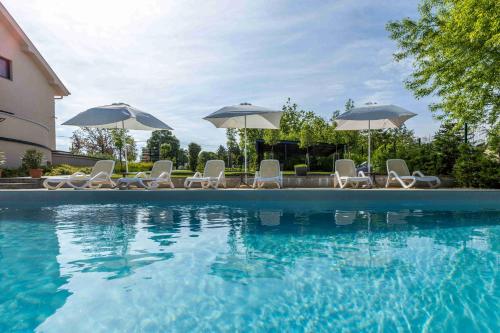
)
(160, 167)
(398, 166)
(213, 168)
(269, 168)
(106, 166)
(345, 168)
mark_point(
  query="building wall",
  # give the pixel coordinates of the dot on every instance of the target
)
(61, 157)
(30, 99)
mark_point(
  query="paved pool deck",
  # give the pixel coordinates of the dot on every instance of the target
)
(411, 198)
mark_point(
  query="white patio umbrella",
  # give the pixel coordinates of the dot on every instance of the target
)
(245, 116)
(117, 115)
(373, 117)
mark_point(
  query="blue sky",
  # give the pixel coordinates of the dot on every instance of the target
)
(181, 60)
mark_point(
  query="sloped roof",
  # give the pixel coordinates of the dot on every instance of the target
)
(29, 48)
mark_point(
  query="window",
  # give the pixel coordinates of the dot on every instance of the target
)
(5, 68)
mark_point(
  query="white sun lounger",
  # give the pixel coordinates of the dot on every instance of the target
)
(345, 174)
(100, 175)
(160, 175)
(269, 173)
(398, 172)
(212, 176)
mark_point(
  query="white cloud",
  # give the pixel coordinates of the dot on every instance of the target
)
(181, 60)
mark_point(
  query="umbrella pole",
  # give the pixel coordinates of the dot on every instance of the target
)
(246, 180)
(369, 146)
(125, 147)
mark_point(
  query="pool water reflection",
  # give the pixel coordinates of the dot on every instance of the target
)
(104, 268)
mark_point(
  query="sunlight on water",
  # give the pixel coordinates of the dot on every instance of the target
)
(123, 268)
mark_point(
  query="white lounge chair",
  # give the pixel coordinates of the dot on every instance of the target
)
(100, 175)
(212, 176)
(269, 173)
(398, 172)
(345, 174)
(160, 175)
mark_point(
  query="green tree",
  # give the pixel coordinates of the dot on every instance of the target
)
(222, 153)
(123, 140)
(306, 139)
(271, 137)
(160, 137)
(203, 157)
(253, 134)
(233, 149)
(291, 121)
(165, 151)
(455, 48)
(182, 158)
(475, 168)
(446, 150)
(96, 142)
(193, 152)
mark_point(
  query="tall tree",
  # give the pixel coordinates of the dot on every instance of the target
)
(221, 153)
(203, 157)
(455, 49)
(233, 149)
(182, 158)
(253, 134)
(93, 142)
(123, 140)
(306, 139)
(160, 137)
(272, 137)
(165, 150)
(193, 154)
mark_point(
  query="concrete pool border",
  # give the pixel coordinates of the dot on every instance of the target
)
(414, 197)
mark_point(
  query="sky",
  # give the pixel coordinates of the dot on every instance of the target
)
(182, 60)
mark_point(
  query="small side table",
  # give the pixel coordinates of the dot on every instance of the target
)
(243, 179)
(373, 176)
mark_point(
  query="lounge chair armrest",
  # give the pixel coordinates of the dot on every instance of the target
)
(141, 174)
(361, 173)
(418, 174)
(221, 175)
(100, 175)
(257, 174)
(393, 174)
(197, 174)
(164, 174)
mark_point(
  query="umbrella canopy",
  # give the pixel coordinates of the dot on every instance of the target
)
(373, 117)
(245, 115)
(117, 115)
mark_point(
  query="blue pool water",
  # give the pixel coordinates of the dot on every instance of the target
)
(227, 267)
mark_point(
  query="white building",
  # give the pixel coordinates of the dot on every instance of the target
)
(28, 90)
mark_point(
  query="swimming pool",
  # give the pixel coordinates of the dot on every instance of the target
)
(248, 266)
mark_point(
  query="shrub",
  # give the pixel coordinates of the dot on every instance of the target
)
(16, 172)
(474, 168)
(2, 158)
(65, 169)
(32, 159)
(134, 166)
